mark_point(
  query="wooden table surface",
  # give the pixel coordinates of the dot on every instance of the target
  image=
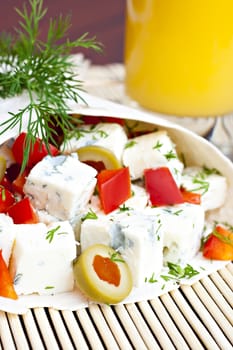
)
(103, 19)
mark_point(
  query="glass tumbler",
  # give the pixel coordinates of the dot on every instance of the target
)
(179, 57)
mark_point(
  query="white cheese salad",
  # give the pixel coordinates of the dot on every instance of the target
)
(105, 212)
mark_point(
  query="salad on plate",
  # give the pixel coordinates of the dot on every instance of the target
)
(116, 212)
(98, 202)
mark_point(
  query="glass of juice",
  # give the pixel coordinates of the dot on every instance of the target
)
(179, 56)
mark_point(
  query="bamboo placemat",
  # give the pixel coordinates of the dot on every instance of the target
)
(196, 317)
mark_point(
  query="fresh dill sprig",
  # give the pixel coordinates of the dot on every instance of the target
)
(43, 70)
(51, 233)
(123, 208)
(91, 215)
(151, 279)
(170, 155)
(176, 272)
(201, 179)
(130, 144)
(115, 257)
(158, 145)
(79, 133)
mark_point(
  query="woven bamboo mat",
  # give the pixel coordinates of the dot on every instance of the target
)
(196, 317)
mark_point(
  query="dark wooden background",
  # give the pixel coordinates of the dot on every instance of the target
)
(101, 18)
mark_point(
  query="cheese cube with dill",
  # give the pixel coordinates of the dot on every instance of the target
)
(137, 237)
(108, 135)
(138, 200)
(209, 183)
(152, 150)
(182, 227)
(42, 258)
(61, 185)
(7, 236)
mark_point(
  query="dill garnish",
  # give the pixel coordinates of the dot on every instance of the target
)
(176, 272)
(91, 215)
(51, 233)
(44, 71)
(115, 257)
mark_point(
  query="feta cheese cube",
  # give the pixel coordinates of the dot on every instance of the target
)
(182, 227)
(108, 135)
(138, 200)
(140, 241)
(42, 258)
(211, 185)
(7, 237)
(95, 232)
(45, 217)
(152, 150)
(60, 185)
(135, 236)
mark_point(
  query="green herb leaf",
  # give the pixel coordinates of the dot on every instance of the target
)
(170, 155)
(130, 144)
(171, 211)
(151, 279)
(123, 208)
(91, 215)
(50, 234)
(78, 133)
(158, 145)
(43, 70)
(49, 287)
(115, 257)
(176, 272)
(201, 179)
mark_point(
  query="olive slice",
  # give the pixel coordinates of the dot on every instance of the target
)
(2, 167)
(97, 154)
(102, 275)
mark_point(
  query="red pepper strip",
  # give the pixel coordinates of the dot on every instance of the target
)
(191, 197)
(23, 212)
(219, 244)
(114, 188)
(161, 187)
(6, 285)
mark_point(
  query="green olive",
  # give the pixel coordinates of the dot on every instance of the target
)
(102, 275)
(99, 154)
(2, 167)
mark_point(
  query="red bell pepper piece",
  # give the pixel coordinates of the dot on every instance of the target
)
(114, 188)
(37, 153)
(161, 187)
(7, 199)
(6, 285)
(6, 183)
(219, 244)
(22, 212)
(89, 119)
(18, 183)
(191, 197)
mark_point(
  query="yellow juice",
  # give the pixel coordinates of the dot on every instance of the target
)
(179, 55)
